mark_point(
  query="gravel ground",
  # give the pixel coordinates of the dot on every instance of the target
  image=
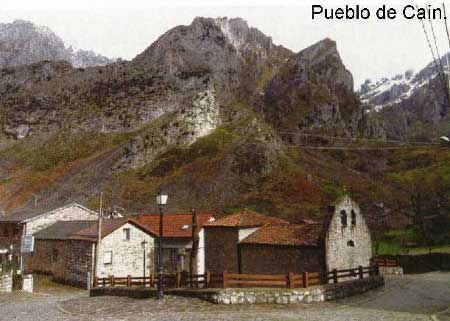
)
(408, 298)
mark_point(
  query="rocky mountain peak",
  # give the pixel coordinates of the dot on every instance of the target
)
(323, 57)
(23, 43)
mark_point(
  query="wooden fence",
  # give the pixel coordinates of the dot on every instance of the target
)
(233, 280)
(385, 262)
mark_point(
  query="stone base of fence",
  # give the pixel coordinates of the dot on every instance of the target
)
(256, 295)
(390, 270)
(6, 283)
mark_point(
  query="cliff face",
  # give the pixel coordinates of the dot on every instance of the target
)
(201, 113)
(22, 43)
(314, 91)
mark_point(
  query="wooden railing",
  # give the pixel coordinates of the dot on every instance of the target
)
(359, 272)
(385, 262)
(231, 280)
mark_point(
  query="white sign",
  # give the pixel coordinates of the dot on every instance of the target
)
(27, 245)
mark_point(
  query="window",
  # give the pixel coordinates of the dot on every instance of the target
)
(107, 257)
(353, 218)
(126, 234)
(344, 218)
(350, 243)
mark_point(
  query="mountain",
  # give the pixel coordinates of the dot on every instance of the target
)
(410, 106)
(22, 43)
(208, 112)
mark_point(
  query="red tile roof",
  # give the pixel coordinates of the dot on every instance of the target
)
(287, 234)
(245, 219)
(174, 225)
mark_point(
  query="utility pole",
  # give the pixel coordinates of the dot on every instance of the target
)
(195, 244)
(99, 237)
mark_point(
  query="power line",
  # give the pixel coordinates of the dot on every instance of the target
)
(439, 57)
(434, 60)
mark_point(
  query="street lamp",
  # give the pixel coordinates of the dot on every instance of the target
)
(144, 248)
(161, 200)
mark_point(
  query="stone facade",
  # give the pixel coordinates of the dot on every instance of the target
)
(71, 212)
(347, 242)
(127, 255)
(266, 259)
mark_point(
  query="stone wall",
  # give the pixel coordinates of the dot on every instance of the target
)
(127, 255)
(221, 251)
(72, 212)
(266, 259)
(6, 283)
(68, 261)
(347, 246)
(390, 270)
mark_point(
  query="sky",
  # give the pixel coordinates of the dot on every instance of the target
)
(369, 48)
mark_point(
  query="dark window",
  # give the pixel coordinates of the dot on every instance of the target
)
(353, 217)
(126, 234)
(344, 218)
(351, 243)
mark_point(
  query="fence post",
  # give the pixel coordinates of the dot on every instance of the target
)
(112, 280)
(207, 279)
(335, 276)
(305, 279)
(290, 278)
(377, 270)
(104, 281)
(128, 280)
(152, 280)
(360, 272)
(385, 262)
(178, 280)
(224, 278)
(95, 282)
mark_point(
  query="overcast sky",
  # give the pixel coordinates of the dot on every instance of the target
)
(119, 28)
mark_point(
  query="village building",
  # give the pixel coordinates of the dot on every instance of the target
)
(178, 238)
(348, 242)
(67, 250)
(15, 225)
(223, 235)
(247, 242)
(280, 249)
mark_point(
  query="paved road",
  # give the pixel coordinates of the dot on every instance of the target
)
(404, 298)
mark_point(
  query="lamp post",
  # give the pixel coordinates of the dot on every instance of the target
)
(161, 200)
(144, 248)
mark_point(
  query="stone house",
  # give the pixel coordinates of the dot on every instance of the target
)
(223, 235)
(177, 238)
(15, 225)
(66, 250)
(252, 243)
